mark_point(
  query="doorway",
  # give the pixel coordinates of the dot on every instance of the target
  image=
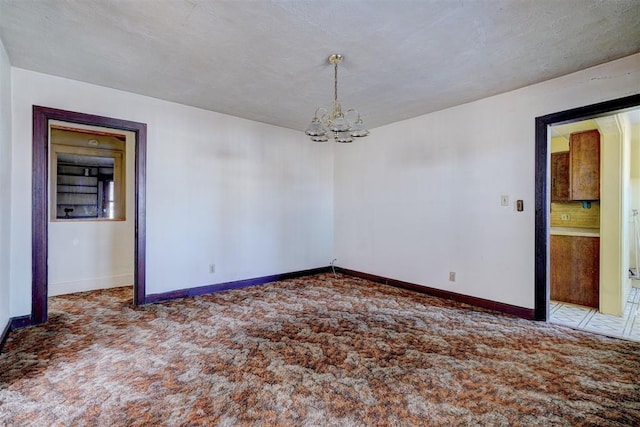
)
(542, 192)
(91, 208)
(592, 239)
(42, 117)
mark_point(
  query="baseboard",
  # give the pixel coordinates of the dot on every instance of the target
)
(20, 322)
(526, 313)
(84, 285)
(13, 324)
(209, 289)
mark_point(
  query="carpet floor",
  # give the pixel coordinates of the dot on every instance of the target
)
(319, 350)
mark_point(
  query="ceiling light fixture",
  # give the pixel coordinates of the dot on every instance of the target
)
(336, 121)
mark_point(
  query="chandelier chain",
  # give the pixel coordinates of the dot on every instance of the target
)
(335, 83)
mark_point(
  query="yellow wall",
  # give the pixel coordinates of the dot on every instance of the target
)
(612, 276)
(559, 143)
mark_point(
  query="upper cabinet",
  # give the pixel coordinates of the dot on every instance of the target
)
(560, 177)
(575, 174)
(584, 151)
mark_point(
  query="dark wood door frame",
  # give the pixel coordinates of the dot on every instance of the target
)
(542, 186)
(40, 201)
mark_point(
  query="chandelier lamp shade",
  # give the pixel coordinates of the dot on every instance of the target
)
(336, 124)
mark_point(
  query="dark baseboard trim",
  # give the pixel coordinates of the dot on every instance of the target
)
(13, 324)
(526, 313)
(209, 289)
(21, 322)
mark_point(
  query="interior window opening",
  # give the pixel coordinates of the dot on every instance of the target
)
(87, 176)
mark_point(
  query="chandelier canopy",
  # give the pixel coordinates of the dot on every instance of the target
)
(336, 122)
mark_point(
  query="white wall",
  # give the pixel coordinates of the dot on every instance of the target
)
(625, 129)
(89, 255)
(634, 197)
(420, 198)
(413, 201)
(252, 198)
(5, 185)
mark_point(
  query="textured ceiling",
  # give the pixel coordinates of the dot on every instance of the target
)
(266, 60)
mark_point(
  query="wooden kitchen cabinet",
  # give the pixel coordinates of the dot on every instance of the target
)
(575, 174)
(560, 177)
(584, 165)
(575, 270)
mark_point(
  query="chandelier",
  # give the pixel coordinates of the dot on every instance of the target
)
(336, 122)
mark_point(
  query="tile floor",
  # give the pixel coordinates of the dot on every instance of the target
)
(589, 319)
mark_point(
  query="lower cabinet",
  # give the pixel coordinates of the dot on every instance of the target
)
(575, 270)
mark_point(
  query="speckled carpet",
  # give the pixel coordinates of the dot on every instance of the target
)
(311, 351)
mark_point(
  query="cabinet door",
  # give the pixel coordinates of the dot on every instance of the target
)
(560, 176)
(575, 270)
(584, 150)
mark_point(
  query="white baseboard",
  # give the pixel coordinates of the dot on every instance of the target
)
(93, 284)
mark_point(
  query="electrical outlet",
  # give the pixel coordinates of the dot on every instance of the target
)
(452, 276)
(504, 200)
(565, 217)
(212, 268)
